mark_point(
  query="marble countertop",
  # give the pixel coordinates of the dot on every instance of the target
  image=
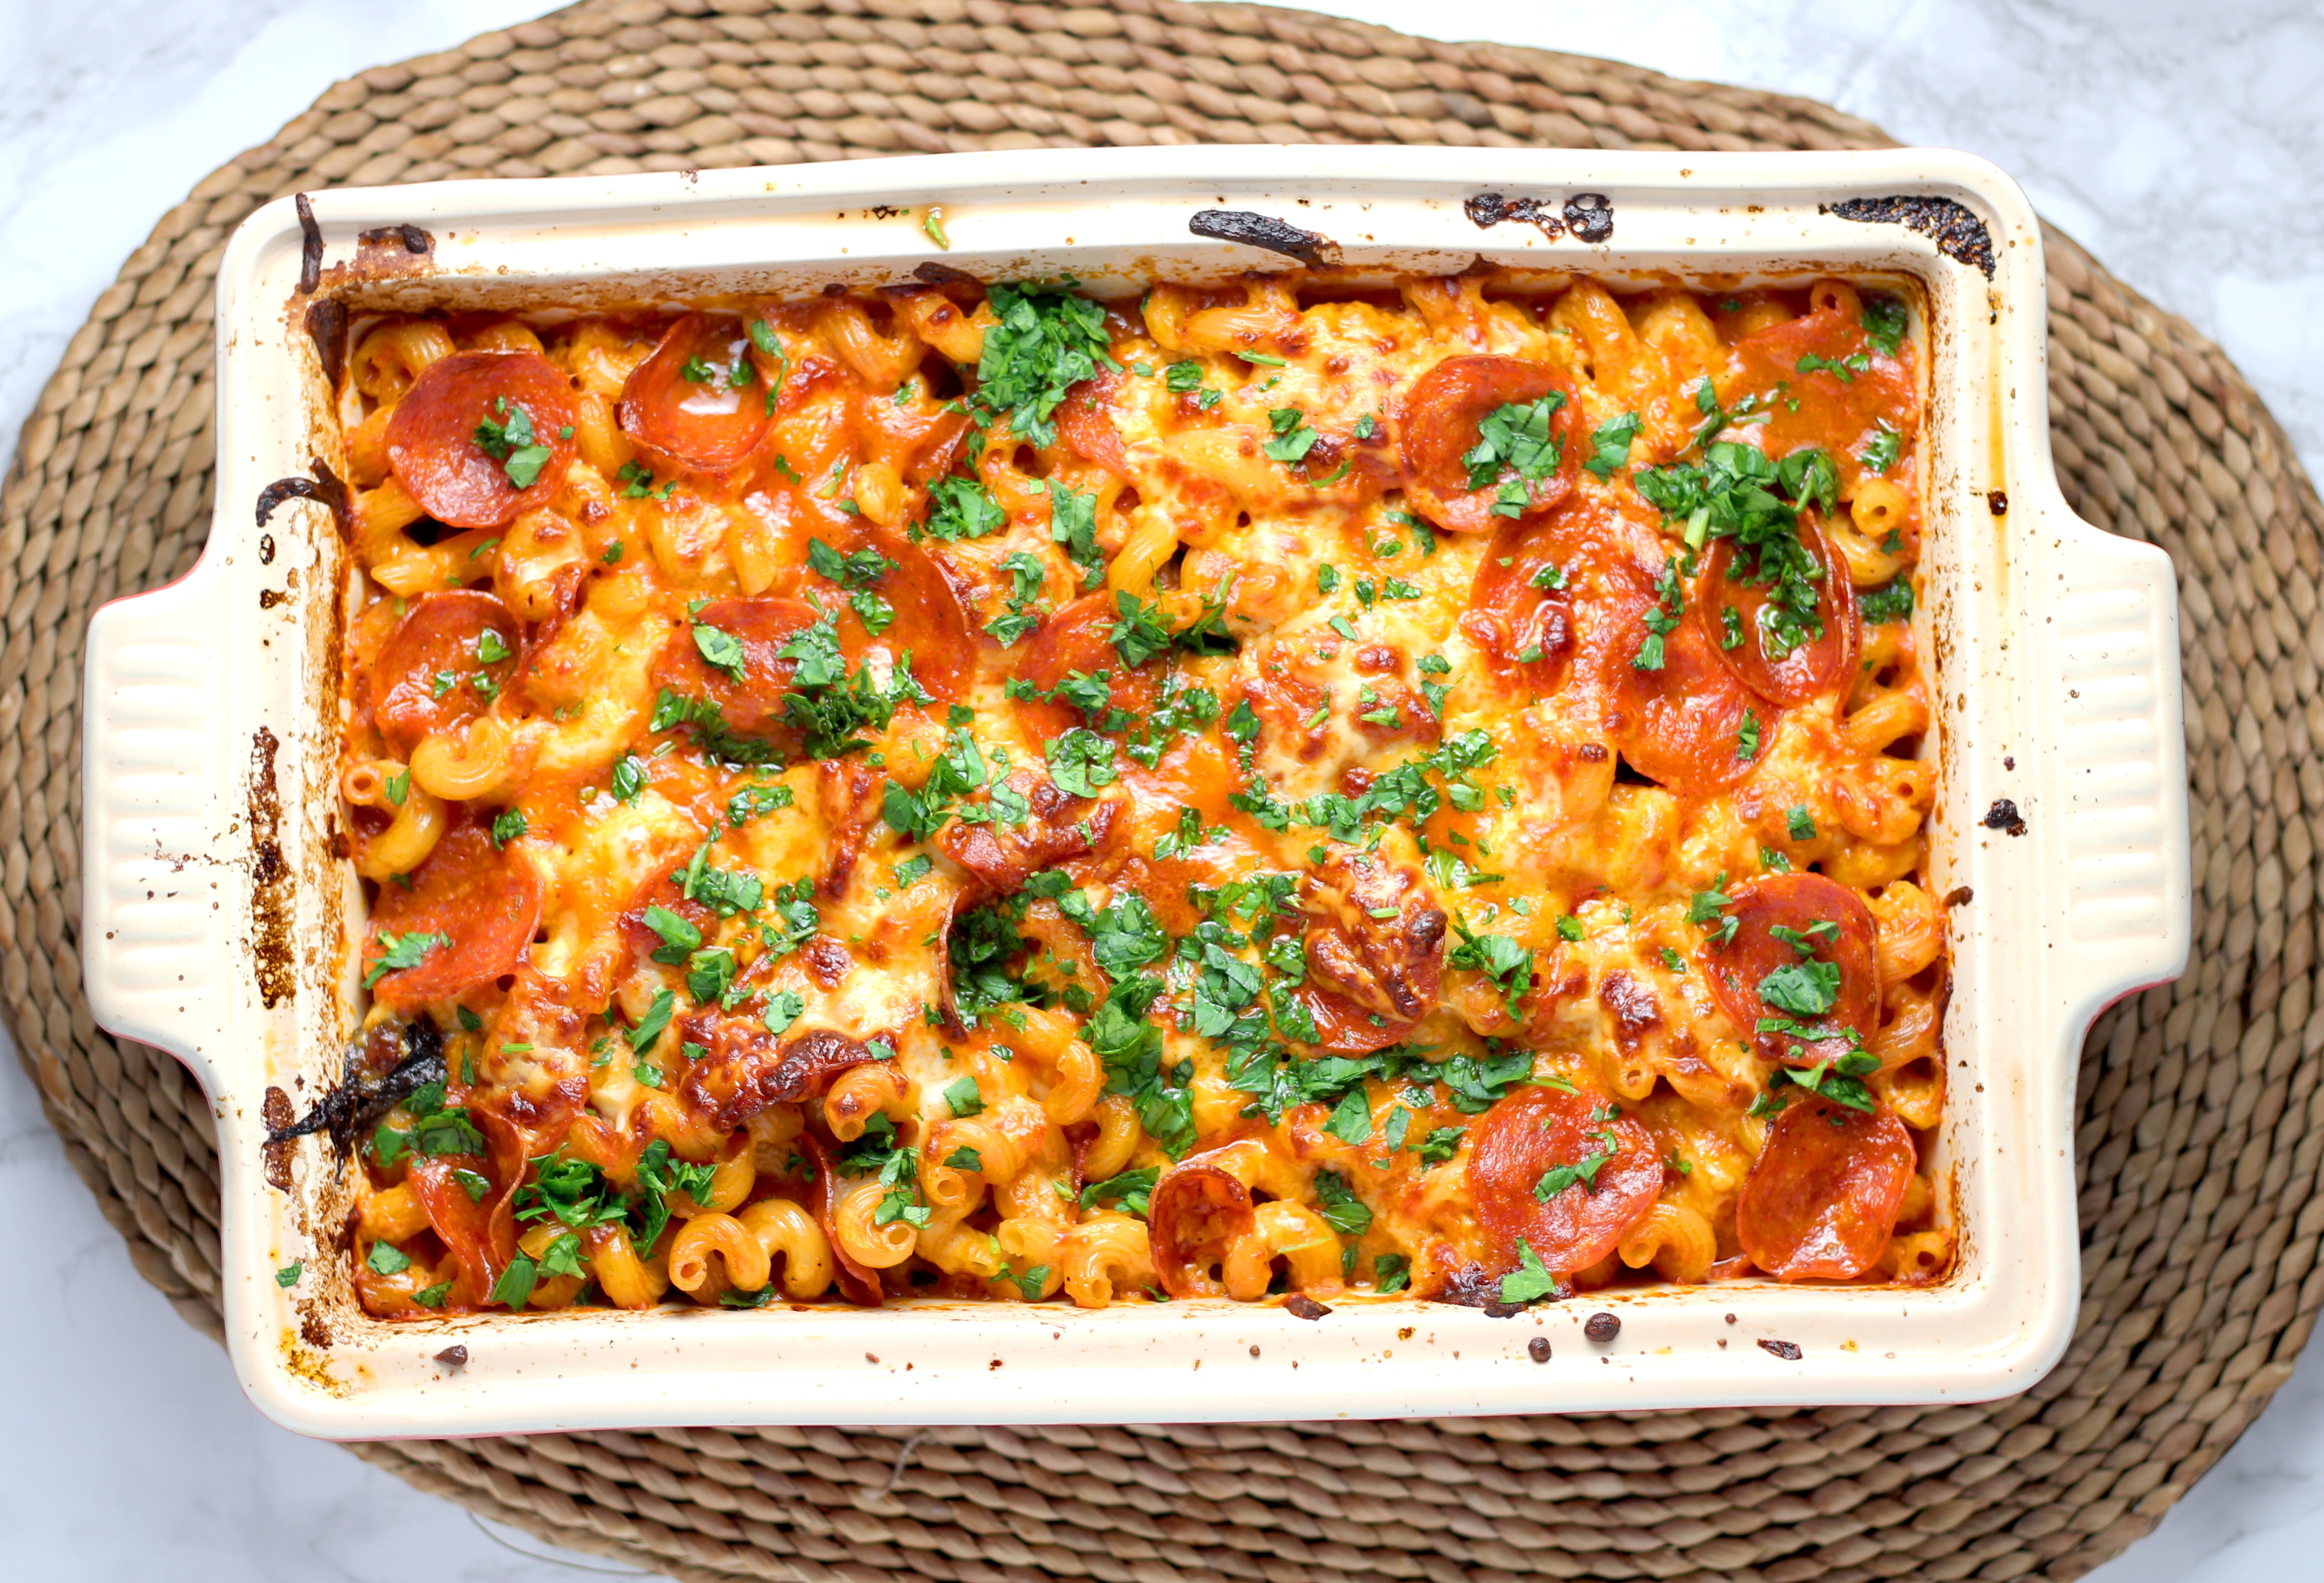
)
(2182, 145)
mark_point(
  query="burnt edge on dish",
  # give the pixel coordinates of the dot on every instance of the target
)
(1266, 233)
(1953, 226)
(1488, 209)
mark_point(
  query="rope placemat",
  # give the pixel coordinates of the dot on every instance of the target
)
(2201, 1131)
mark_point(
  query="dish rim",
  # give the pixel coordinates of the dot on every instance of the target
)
(2102, 883)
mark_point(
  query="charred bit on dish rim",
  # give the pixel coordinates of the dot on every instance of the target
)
(1956, 230)
(310, 246)
(1958, 896)
(1789, 1351)
(326, 327)
(1602, 1328)
(1473, 1287)
(2004, 816)
(364, 1095)
(1997, 501)
(1590, 216)
(453, 1357)
(1488, 209)
(1538, 1349)
(1267, 233)
(932, 273)
(1299, 1305)
(324, 489)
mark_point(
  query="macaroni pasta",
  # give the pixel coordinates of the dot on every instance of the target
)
(1300, 784)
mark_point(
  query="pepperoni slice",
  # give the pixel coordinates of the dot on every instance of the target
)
(1797, 903)
(432, 436)
(859, 1284)
(1821, 409)
(1060, 826)
(752, 702)
(928, 441)
(465, 1224)
(1375, 950)
(747, 1069)
(1075, 642)
(640, 939)
(1438, 420)
(1682, 723)
(1533, 1132)
(1771, 651)
(480, 903)
(1822, 1199)
(1197, 1210)
(931, 623)
(1520, 614)
(1085, 424)
(683, 404)
(434, 673)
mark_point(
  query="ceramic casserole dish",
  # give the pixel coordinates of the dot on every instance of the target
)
(218, 923)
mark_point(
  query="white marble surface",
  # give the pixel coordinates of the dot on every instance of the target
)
(2181, 143)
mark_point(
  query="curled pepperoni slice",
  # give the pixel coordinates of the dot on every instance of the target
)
(859, 1284)
(1776, 651)
(750, 701)
(465, 1224)
(1375, 949)
(1520, 614)
(1440, 421)
(747, 1069)
(1198, 1210)
(1059, 826)
(931, 623)
(1822, 1199)
(700, 399)
(1074, 641)
(1838, 930)
(473, 909)
(1686, 723)
(474, 423)
(928, 442)
(1084, 422)
(450, 658)
(1534, 1131)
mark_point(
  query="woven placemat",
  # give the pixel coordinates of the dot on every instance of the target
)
(2201, 1130)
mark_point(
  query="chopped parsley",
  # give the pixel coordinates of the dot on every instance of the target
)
(510, 440)
(1884, 319)
(1292, 437)
(1072, 522)
(1337, 1202)
(400, 953)
(1530, 1281)
(1611, 443)
(1844, 369)
(1501, 958)
(1515, 439)
(1047, 340)
(1891, 601)
(959, 508)
(1133, 1190)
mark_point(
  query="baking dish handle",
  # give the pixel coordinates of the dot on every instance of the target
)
(159, 883)
(2115, 709)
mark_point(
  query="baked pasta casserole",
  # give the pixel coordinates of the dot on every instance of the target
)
(1314, 784)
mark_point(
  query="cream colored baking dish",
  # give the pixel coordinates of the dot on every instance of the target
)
(217, 923)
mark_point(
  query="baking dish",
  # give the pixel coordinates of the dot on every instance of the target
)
(217, 920)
